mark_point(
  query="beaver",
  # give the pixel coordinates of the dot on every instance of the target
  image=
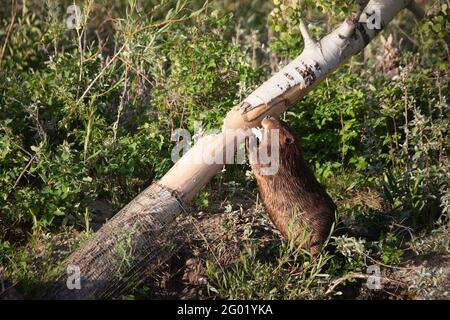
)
(297, 204)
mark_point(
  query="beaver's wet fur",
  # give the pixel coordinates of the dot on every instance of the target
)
(297, 204)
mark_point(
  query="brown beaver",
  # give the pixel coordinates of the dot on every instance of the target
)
(296, 202)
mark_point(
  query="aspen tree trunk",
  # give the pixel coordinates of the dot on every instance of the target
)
(132, 242)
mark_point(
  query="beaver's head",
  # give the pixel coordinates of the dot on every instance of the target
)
(269, 124)
(273, 131)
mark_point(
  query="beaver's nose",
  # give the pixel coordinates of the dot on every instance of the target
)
(266, 121)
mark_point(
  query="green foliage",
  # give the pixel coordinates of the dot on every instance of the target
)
(207, 71)
(77, 126)
(339, 122)
(439, 24)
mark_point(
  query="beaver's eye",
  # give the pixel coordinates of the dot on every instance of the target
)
(288, 140)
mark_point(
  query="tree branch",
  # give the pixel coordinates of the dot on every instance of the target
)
(309, 42)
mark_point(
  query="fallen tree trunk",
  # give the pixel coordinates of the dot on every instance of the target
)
(127, 245)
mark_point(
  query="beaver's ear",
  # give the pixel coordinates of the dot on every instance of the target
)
(288, 137)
